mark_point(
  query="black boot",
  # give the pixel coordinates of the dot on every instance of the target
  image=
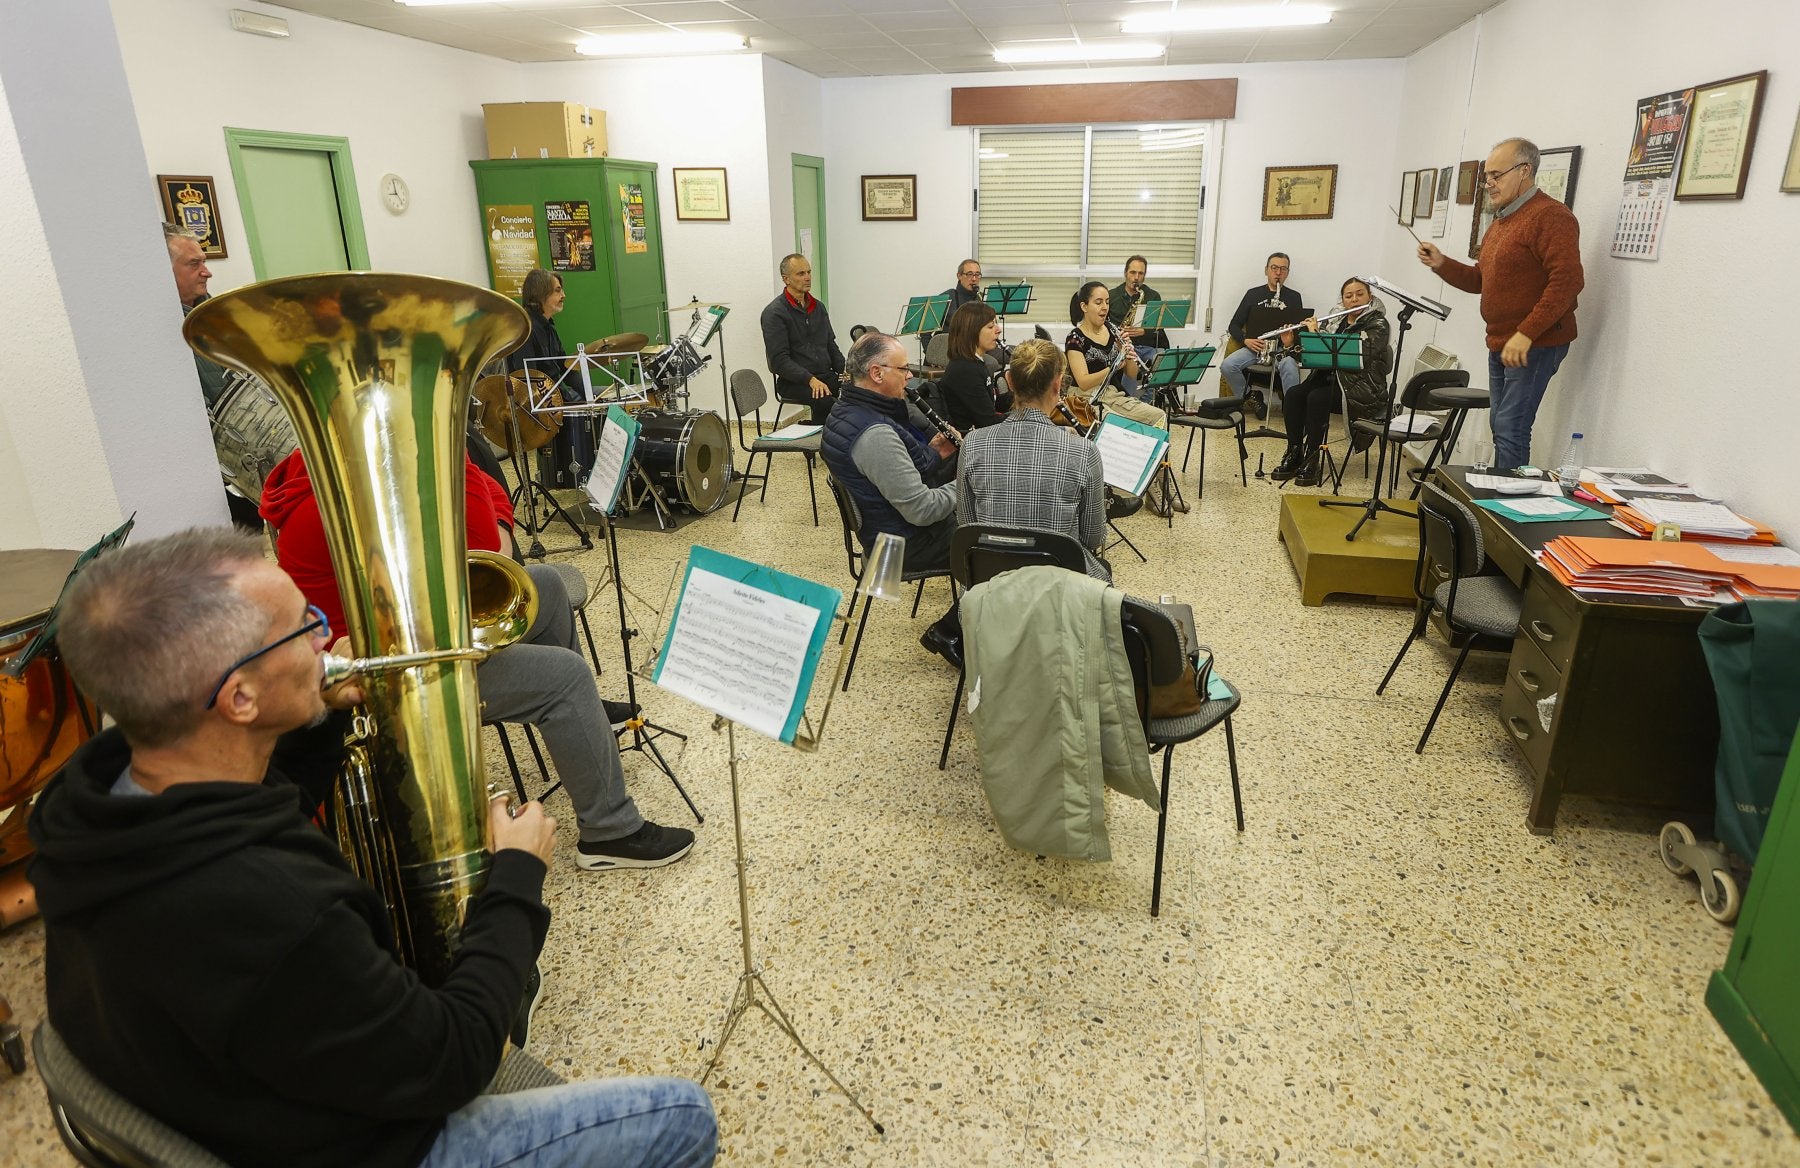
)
(1253, 405)
(1289, 465)
(1309, 475)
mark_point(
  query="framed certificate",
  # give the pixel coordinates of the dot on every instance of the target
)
(1715, 163)
(702, 193)
(890, 196)
(1409, 194)
(1299, 192)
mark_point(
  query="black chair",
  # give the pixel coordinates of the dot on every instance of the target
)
(937, 351)
(1154, 644)
(979, 552)
(103, 1129)
(1397, 429)
(1483, 609)
(748, 396)
(1458, 400)
(851, 515)
(1218, 413)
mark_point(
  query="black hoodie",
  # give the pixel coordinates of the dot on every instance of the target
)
(210, 956)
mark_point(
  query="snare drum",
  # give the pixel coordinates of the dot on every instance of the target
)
(686, 455)
(251, 434)
(674, 366)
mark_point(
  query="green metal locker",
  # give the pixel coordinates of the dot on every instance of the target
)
(621, 237)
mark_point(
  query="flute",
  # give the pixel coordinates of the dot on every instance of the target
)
(936, 419)
(1316, 320)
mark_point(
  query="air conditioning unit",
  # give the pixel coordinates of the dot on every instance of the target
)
(1432, 357)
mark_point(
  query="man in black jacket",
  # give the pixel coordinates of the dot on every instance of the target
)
(802, 351)
(208, 953)
(1272, 291)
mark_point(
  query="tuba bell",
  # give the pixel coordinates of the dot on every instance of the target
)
(375, 371)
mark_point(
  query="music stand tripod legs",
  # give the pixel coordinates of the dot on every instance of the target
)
(644, 732)
(1374, 505)
(750, 982)
(530, 494)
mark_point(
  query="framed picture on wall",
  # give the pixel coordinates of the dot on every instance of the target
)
(890, 196)
(188, 201)
(1479, 224)
(1299, 192)
(1468, 181)
(1556, 174)
(1446, 175)
(1423, 193)
(1715, 162)
(1409, 193)
(701, 193)
(1790, 178)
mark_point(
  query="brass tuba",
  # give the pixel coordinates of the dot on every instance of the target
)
(375, 371)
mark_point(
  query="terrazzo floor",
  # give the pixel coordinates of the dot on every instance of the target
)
(1385, 967)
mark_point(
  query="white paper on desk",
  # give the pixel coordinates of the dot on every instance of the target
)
(1502, 482)
(1538, 505)
(738, 651)
(1756, 554)
(1129, 452)
(792, 431)
(1707, 517)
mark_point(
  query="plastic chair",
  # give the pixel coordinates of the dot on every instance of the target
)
(1415, 397)
(576, 585)
(1483, 609)
(103, 1129)
(1153, 642)
(979, 552)
(851, 515)
(1209, 416)
(748, 395)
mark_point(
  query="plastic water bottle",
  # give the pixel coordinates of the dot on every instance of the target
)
(1569, 470)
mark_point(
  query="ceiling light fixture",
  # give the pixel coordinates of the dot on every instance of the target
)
(661, 44)
(1216, 19)
(1070, 51)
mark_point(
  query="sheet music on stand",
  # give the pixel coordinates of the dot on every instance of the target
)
(1130, 452)
(618, 438)
(745, 641)
(701, 332)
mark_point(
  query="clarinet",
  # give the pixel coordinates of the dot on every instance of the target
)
(936, 419)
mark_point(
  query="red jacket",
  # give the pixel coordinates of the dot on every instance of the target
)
(288, 504)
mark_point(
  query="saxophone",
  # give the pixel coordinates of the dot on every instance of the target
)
(375, 371)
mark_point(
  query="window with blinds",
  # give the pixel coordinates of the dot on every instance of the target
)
(1142, 197)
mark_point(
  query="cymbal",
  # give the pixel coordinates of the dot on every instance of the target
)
(608, 346)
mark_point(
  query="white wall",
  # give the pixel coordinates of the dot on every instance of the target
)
(89, 321)
(695, 111)
(1676, 364)
(407, 107)
(793, 108)
(1284, 117)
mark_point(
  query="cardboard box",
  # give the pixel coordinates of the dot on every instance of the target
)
(544, 129)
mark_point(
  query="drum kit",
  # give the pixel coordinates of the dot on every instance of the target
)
(683, 456)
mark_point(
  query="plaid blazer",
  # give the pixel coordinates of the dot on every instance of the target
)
(1029, 472)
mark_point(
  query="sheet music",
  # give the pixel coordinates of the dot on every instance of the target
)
(611, 459)
(792, 431)
(1129, 452)
(738, 651)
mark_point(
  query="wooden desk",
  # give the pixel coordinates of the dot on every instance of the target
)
(1634, 718)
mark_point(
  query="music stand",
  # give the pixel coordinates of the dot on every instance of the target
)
(611, 463)
(923, 316)
(531, 494)
(803, 730)
(1158, 316)
(1176, 369)
(1334, 352)
(1374, 505)
(1007, 300)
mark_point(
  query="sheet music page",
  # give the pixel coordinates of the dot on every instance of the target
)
(738, 651)
(611, 459)
(1784, 556)
(1129, 452)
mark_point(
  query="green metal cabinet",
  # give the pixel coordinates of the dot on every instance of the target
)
(626, 292)
(1754, 997)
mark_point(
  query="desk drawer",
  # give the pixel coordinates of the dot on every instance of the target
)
(1548, 620)
(1530, 680)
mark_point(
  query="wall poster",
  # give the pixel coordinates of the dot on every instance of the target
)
(512, 245)
(631, 199)
(1656, 141)
(571, 236)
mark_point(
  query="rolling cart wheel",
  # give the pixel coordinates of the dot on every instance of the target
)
(1673, 834)
(12, 1047)
(1719, 895)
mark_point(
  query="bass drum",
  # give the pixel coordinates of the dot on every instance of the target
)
(251, 435)
(688, 456)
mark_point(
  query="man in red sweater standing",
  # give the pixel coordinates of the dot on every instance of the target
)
(1529, 275)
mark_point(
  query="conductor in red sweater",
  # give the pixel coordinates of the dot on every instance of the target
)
(1528, 276)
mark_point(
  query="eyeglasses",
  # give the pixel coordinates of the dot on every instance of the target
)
(971, 275)
(895, 368)
(318, 625)
(1494, 176)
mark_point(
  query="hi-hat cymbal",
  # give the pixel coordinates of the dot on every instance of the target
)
(622, 343)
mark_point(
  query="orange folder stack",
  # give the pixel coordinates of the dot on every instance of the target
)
(1635, 520)
(1594, 565)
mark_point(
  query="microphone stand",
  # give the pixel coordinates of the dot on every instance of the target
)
(1374, 505)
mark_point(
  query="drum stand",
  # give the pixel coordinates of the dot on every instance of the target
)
(530, 494)
(644, 732)
(640, 487)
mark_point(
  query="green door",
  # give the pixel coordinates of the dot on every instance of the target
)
(633, 229)
(297, 193)
(809, 219)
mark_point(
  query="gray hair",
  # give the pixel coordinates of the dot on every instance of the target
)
(147, 629)
(174, 231)
(1524, 150)
(867, 351)
(787, 262)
